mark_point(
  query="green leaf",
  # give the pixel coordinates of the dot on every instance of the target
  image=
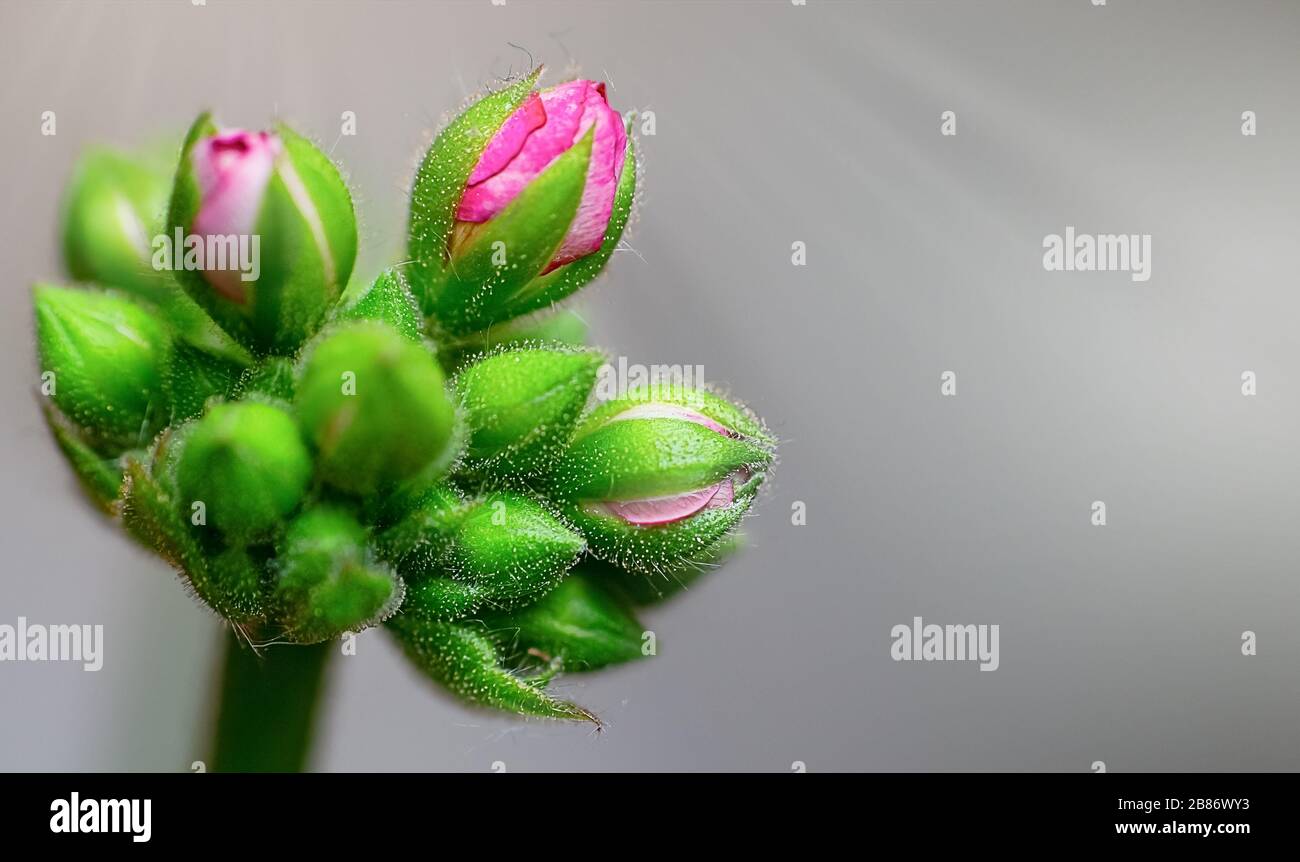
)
(494, 265)
(441, 179)
(463, 660)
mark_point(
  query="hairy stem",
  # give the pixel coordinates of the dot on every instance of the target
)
(267, 706)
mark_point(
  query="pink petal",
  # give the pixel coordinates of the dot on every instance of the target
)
(665, 510)
(725, 495)
(608, 147)
(510, 139)
(660, 410)
(563, 106)
(232, 169)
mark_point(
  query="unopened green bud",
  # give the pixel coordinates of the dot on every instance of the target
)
(513, 547)
(101, 356)
(581, 623)
(521, 406)
(112, 209)
(463, 659)
(247, 465)
(502, 551)
(375, 407)
(326, 584)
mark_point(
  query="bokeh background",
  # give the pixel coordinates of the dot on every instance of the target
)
(778, 123)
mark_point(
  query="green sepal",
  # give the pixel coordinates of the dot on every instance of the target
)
(325, 582)
(582, 623)
(735, 417)
(112, 209)
(492, 267)
(649, 588)
(420, 538)
(192, 376)
(271, 378)
(548, 289)
(153, 517)
(443, 600)
(632, 459)
(521, 406)
(563, 327)
(100, 477)
(441, 179)
(308, 245)
(247, 464)
(237, 582)
(375, 407)
(461, 658)
(106, 353)
(387, 299)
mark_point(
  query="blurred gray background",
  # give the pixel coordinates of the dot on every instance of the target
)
(778, 123)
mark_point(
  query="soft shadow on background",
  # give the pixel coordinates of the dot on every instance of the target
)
(778, 123)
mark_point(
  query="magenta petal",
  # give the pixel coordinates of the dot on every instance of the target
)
(665, 510)
(563, 106)
(509, 139)
(232, 170)
(608, 148)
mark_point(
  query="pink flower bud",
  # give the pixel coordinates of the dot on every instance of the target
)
(546, 126)
(232, 169)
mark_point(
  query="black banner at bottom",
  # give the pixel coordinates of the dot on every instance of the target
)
(333, 812)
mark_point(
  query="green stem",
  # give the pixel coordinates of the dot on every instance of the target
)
(268, 706)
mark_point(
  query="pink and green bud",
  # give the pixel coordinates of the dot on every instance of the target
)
(261, 232)
(521, 406)
(661, 475)
(519, 202)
